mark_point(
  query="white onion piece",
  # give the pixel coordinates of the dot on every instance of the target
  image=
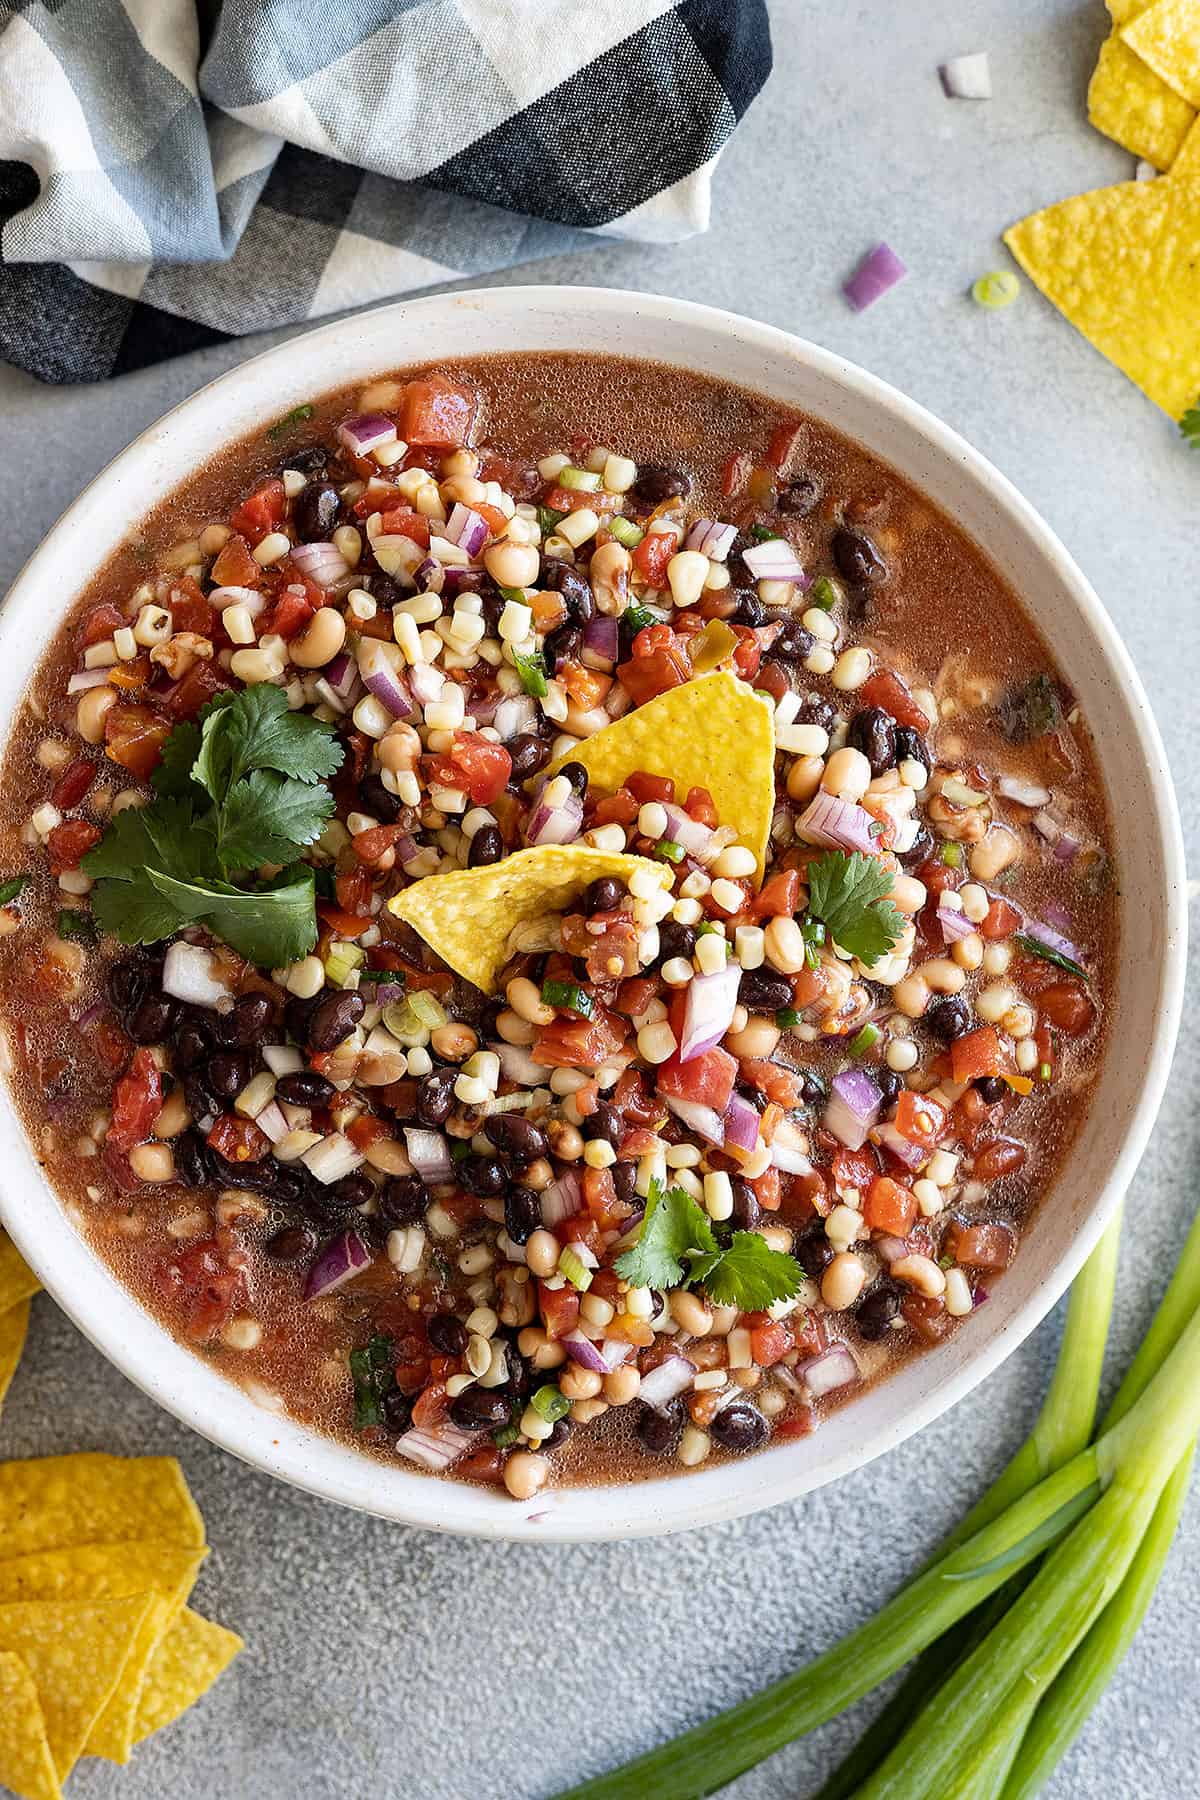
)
(834, 1368)
(1026, 793)
(967, 77)
(435, 1446)
(701, 1119)
(86, 678)
(282, 1059)
(515, 714)
(666, 1382)
(271, 1123)
(787, 1150)
(332, 1158)
(188, 975)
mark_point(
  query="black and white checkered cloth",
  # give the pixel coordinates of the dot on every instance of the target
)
(169, 180)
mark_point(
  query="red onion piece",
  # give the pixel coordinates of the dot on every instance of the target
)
(435, 1446)
(366, 432)
(953, 921)
(556, 824)
(701, 1119)
(889, 1249)
(461, 581)
(86, 678)
(514, 714)
(834, 1368)
(466, 529)
(332, 1158)
(1053, 940)
(708, 1010)
(378, 664)
(666, 1382)
(913, 1156)
(429, 576)
(1067, 848)
(600, 642)
(712, 538)
(343, 1257)
(967, 77)
(740, 1124)
(852, 1108)
(773, 560)
(581, 1350)
(340, 673)
(562, 1199)
(322, 563)
(878, 271)
(683, 829)
(250, 598)
(834, 824)
(429, 1154)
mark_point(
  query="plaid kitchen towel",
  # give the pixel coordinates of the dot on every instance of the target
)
(178, 172)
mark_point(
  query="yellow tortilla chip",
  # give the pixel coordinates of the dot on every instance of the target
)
(1123, 265)
(713, 732)
(60, 1502)
(1129, 102)
(13, 1325)
(75, 1653)
(17, 1280)
(1167, 38)
(185, 1665)
(26, 1765)
(468, 915)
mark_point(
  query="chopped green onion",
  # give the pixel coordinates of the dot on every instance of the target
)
(575, 1269)
(638, 617)
(569, 995)
(549, 520)
(869, 1035)
(427, 1009)
(550, 1404)
(1035, 947)
(952, 855)
(763, 534)
(959, 794)
(371, 974)
(669, 850)
(825, 593)
(76, 927)
(999, 287)
(583, 481)
(459, 1151)
(1044, 1071)
(626, 532)
(297, 416)
(506, 1436)
(532, 671)
(12, 887)
(515, 594)
(374, 1378)
(341, 962)
(787, 1018)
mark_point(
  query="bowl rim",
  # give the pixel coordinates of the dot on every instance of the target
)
(310, 1461)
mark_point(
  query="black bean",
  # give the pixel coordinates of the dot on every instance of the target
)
(604, 895)
(529, 754)
(247, 1024)
(127, 984)
(990, 1088)
(576, 592)
(656, 482)
(447, 1334)
(949, 1018)
(522, 1214)
(919, 851)
(379, 802)
(605, 1123)
(296, 1016)
(857, 558)
(435, 1096)
(873, 731)
(577, 775)
(911, 747)
(403, 1200)
(305, 1088)
(482, 1175)
(480, 1409)
(624, 1176)
(746, 1209)
(226, 1074)
(348, 1194)
(522, 1377)
(315, 511)
(191, 1159)
(794, 642)
(659, 1431)
(799, 496)
(516, 1137)
(559, 1435)
(150, 1022)
(278, 1181)
(675, 940)
(813, 1252)
(750, 609)
(815, 710)
(739, 1426)
(200, 1102)
(397, 1410)
(308, 461)
(334, 1019)
(876, 1311)
(888, 1083)
(812, 1088)
(563, 644)
(290, 1244)
(487, 846)
(383, 590)
(760, 991)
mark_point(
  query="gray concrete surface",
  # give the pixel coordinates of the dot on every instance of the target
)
(399, 1665)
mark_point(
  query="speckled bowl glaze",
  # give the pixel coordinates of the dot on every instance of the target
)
(1149, 984)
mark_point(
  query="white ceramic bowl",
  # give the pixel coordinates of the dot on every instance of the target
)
(1149, 982)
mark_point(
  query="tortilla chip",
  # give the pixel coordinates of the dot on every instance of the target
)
(61, 1502)
(185, 1665)
(26, 1765)
(713, 732)
(17, 1280)
(468, 915)
(1167, 38)
(1129, 102)
(75, 1653)
(1123, 265)
(13, 1325)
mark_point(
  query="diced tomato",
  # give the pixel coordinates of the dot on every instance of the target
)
(431, 1406)
(587, 687)
(920, 1119)
(73, 783)
(261, 513)
(610, 954)
(290, 615)
(988, 1246)
(767, 1190)
(134, 736)
(437, 411)
(889, 1207)
(977, 1053)
(885, 689)
(100, 624)
(653, 554)
(928, 1318)
(107, 1042)
(780, 895)
(635, 995)
(345, 924)
(564, 500)
(616, 809)
(657, 665)
(701, 806)
(483, 1464)
(194, 690)
(782, 446)
(1003, 1156)
(402, 521)
(235, 567)
(854, 1168)
(769, 1343)
(70, 842)
(779, 1083)
(634, 1101)
(117, 1164)
(136, 1101)
(559, 1308)
(706, 1080)
(354, 889)
(1067, 1005)
(646, 788)
(188, 608)
(129, 676)
(734, 474)
(367, 1130)
(238, 1140)
(475, 763)
(1000, 921)
(370, 847)
(936, 877)
(587, 1099)
(600, 1197)
(749, 652)
(211, 1283)
(571, 1043)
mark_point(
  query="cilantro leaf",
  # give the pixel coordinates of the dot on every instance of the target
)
(164, 835)
(674, 1227)
(1189, 426)
(752, 1276)
(256, 729)
(532, 670)
(267, 817)
(173, 775)
(269, 925)
(847, 893)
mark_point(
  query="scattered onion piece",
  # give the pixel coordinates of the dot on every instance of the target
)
(878, 271)
(967, 77)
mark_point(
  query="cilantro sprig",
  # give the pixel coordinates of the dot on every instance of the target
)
(847, 894)
(1189, 427)
(677, 1246)
(242, 786)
